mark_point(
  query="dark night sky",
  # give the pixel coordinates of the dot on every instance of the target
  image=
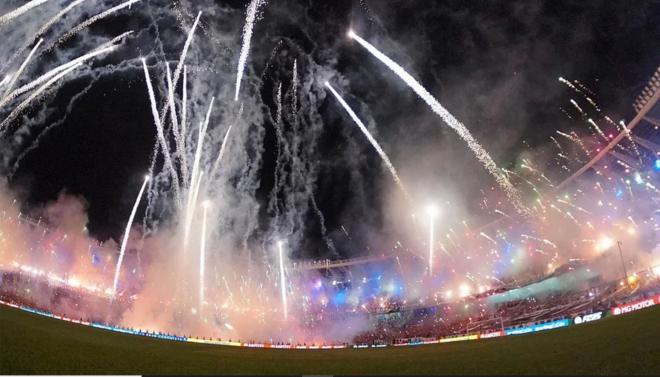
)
(493, 64)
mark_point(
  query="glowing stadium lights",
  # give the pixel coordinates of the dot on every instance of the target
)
(463, 290)
(656, 270)
(604, 243)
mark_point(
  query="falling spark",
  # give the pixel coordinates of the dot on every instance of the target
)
(371, 139)
(127, 232)
(600, 132)
(449, 119)
(577, 106)
(484, 235)
(221, 153)
(251, 17)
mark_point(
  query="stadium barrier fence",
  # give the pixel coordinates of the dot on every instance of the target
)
(516, 330)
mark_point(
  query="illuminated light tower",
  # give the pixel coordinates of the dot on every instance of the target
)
(432, 211)
(282, 280)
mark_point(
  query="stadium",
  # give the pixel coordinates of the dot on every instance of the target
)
(240, 232)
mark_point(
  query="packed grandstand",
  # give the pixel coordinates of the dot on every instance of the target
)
(550, 301)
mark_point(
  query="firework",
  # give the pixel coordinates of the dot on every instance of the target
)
(250, 19)
(159, 128)
(20, 10)
(449, 119)
(23, 105)
(202, 254)
(54, 72)
(285, 309)
(22, 67)
(127, 232)
(371, 139)
(91, 21)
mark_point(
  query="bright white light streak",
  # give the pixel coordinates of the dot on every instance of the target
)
(160, 131)
(127, 232)
(20, 10)
(18, 109)
(22, 67)
(285, 308)
(449, 119)
(202, 254)
(92, 20)
(251, 17)
(371, 139)
(46, 76)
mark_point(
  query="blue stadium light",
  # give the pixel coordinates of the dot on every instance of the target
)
(657, 164)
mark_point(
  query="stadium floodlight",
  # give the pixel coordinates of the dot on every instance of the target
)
(604, 243)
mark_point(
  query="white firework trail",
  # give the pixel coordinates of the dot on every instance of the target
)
(573, 205)
(91, 21)
(294, 85)
(202, 255)
(600, 132)
(584, 87)
(127, 232)
(195, 177)
(565, 113)
(502, 213)
(278, 180)
(285, 308)
(250, 19)
(371, 139)
(570, 216)
(216, 164)
(622, 126)
(577, 139)
(557, 144)
(545, 241)
(18, 109)
(22, 67)
(46, 26)
(324, 231)
(484, 235)
(574, 139)
(46, 76)
(20, 10)
(5, 80)
(577, 106)
(160, 132)
(178, 138)
(180, 65)
(184, 113)
(570, 85)
(450, 120)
